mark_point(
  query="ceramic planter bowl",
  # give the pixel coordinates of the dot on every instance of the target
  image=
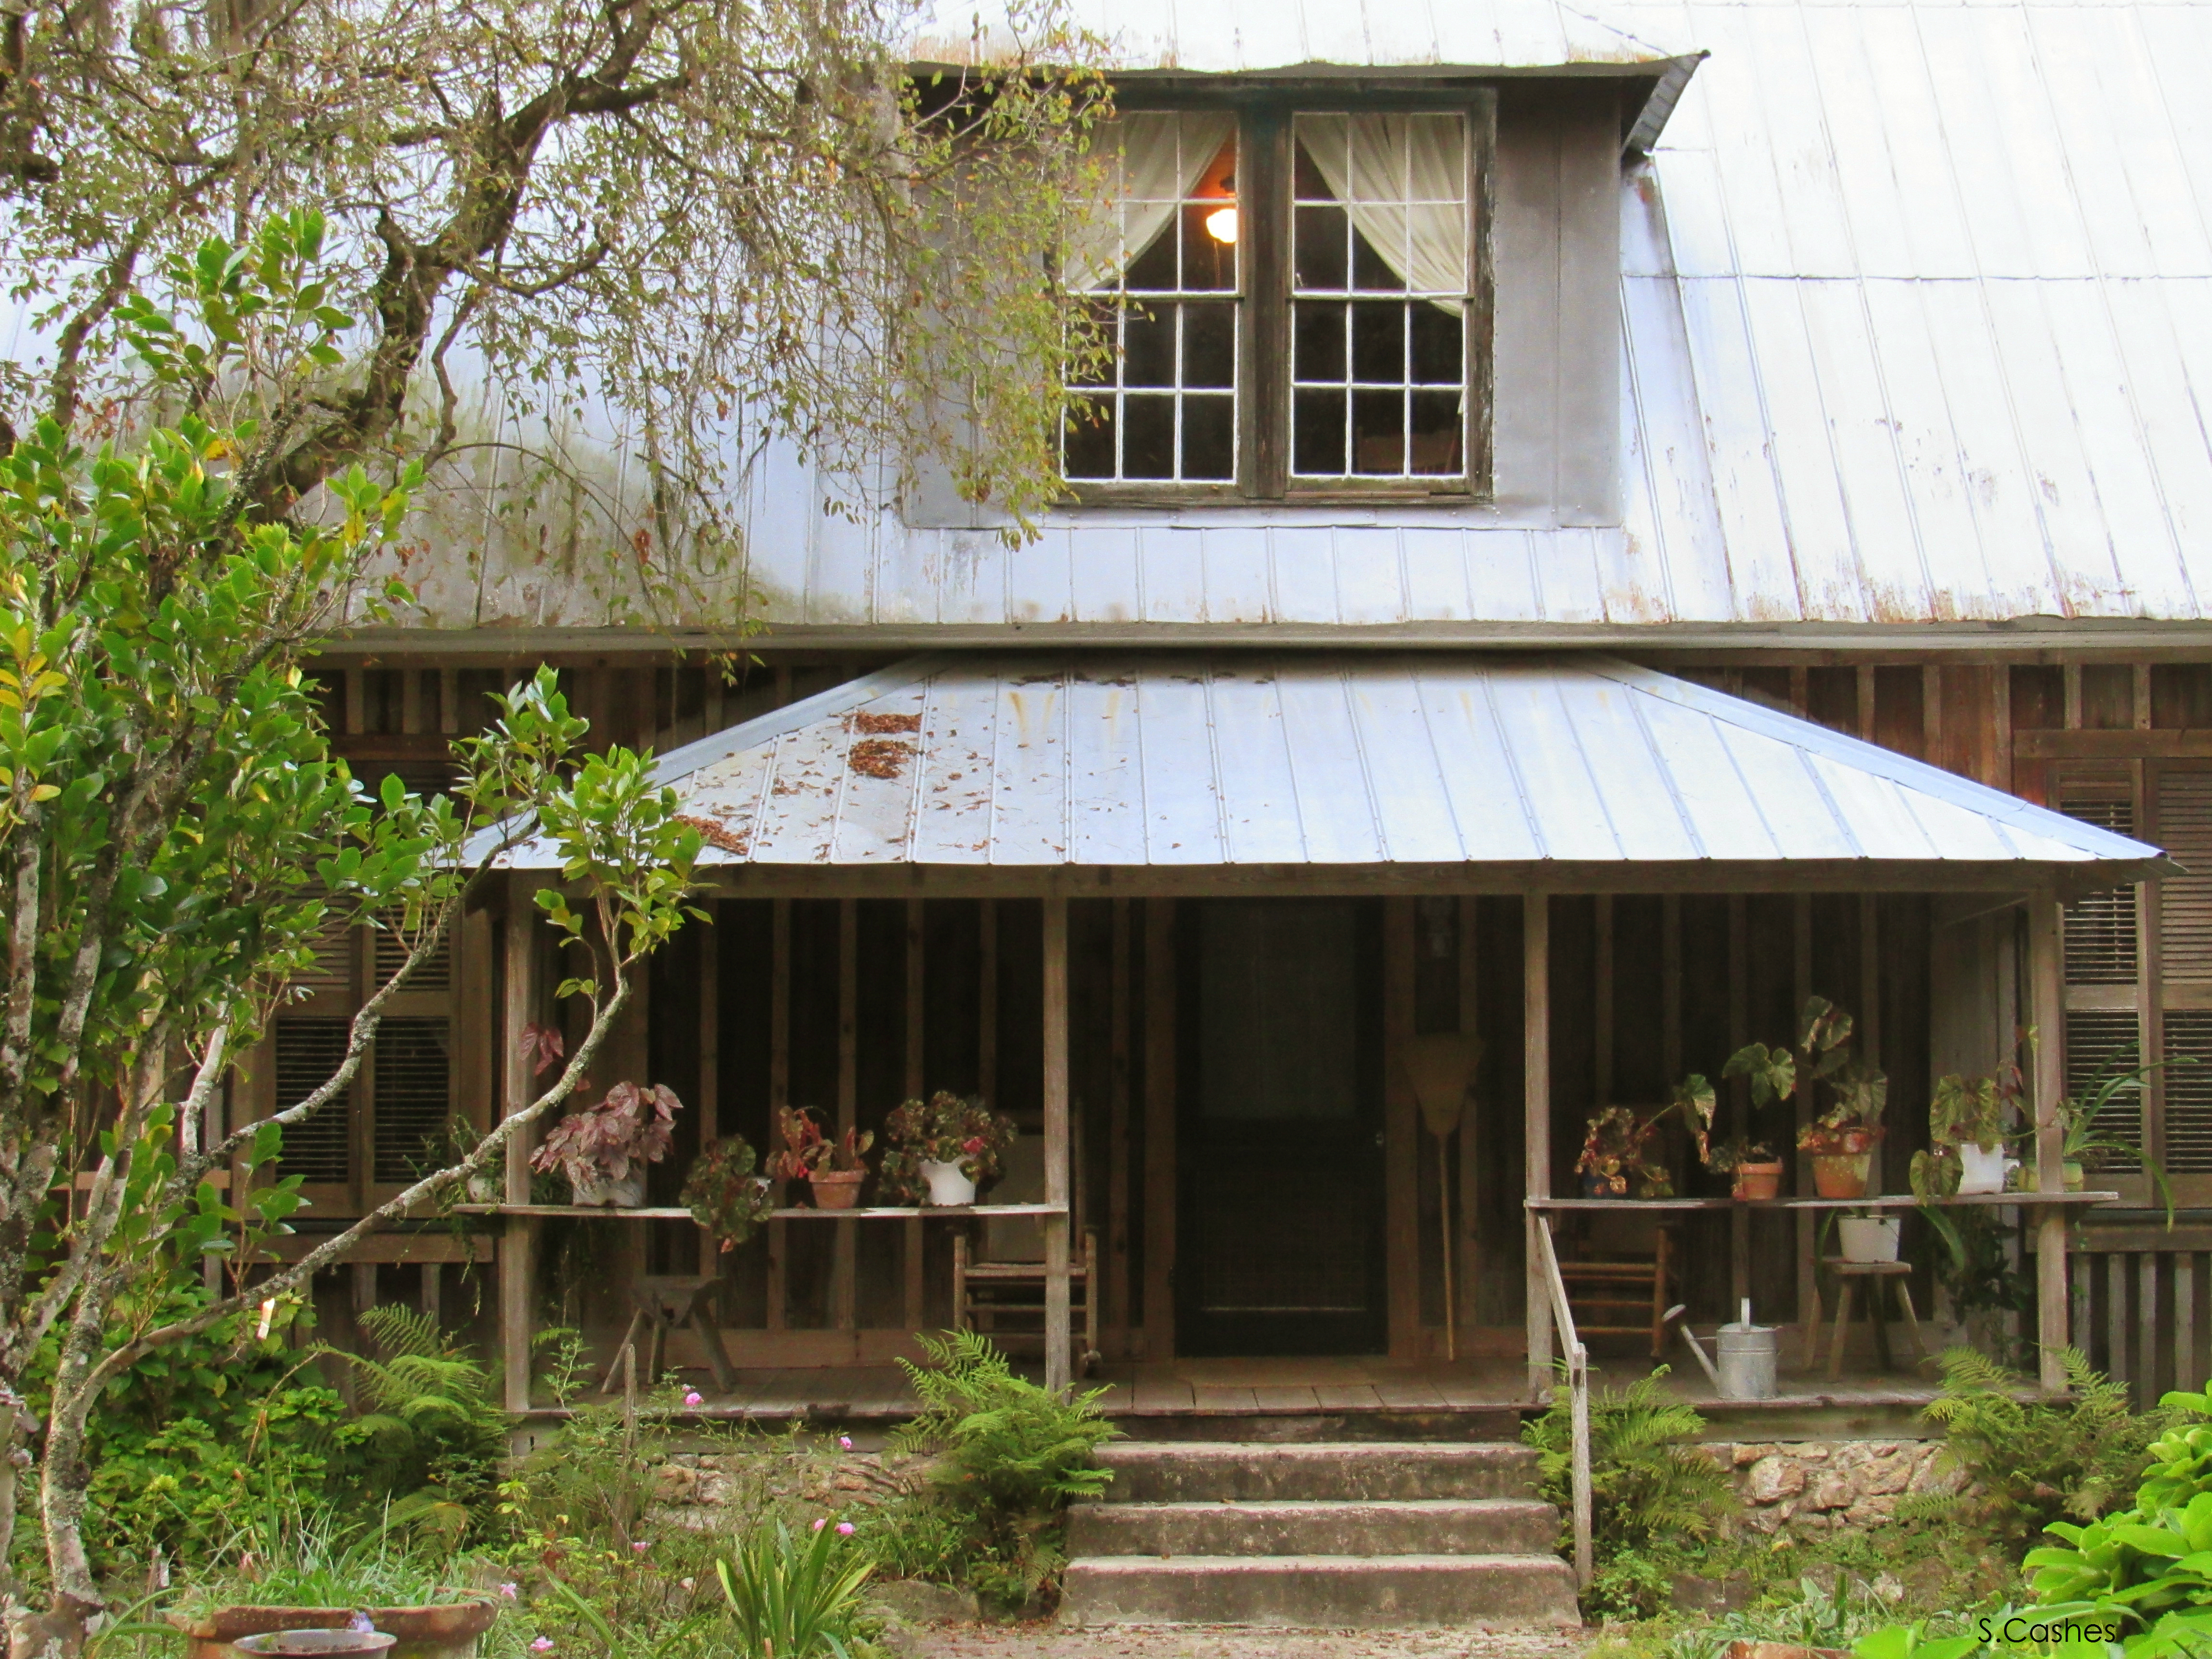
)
(1981, 1169)
(597, 1191)
(1758, 1181)
(446, 1631)
(836, 1189)
(948, 1186)
(1865, 1238)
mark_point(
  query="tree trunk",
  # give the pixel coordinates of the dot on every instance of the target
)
(75, 1611)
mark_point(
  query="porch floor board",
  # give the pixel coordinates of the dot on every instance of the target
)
(1292, 1387)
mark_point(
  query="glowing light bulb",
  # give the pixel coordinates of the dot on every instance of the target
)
(1221, 225)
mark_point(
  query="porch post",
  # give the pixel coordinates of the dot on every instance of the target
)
(1057, 1328)
(518, 1249)
(1536, 1127)
(2046, 991)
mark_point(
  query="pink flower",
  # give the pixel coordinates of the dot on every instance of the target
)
(846, 1529)
(509, 1591)
(695, 1398)
(639, 1547)
(972, 1146)
(844, 1442)
(543, 1644)
(818, 1525)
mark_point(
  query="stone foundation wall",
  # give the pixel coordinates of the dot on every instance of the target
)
(694, 1489)
(1814, 1486)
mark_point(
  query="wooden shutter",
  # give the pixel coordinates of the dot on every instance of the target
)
(413, 1096)
(434, 974)
(2101, 943)
(2185, 901)
(2181, 799)
(307, 1051)
(2104, 958)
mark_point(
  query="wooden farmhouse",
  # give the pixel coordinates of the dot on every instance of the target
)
(1609, 521)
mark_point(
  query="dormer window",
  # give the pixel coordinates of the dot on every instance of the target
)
(1297, 300)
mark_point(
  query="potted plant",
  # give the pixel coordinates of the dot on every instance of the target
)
(2092, 1138)
(1842, 1139)
(1756, 1166)
(1616, 1154)
(1968, 1116)
(723, 1193)
(831, 1167)
(604, 1149)
(944, 1150)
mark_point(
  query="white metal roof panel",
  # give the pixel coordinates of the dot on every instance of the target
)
(1326, 759)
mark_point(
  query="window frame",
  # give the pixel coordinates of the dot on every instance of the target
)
(1262, 296)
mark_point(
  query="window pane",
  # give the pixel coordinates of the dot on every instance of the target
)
(1317, 437)
(1317, 342)
(1378, 431)
(1209, 247)
(1088, 451)
(1378, 343)
(1436, 428)
(1148, 346)
(1436, 346)
(1153, 270)
(1436, 255)
(1209, 438)
(1370, 273)
(1320, 152)
(1209, 346)
(1104, 318)
(1320, 255)
(1148, 436)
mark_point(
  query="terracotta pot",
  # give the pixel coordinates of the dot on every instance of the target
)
(1754, 1182)
(447, 1631)
(948, 1186)
(836, 1189)
(1840, 1175)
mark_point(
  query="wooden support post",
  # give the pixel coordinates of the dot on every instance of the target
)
(1058, 1356)
(1401, 1137)
(1536, 1131)
(1801, 990)
(518, 1250)
(844, 1262)
(910, 1234)
(2046, 984)
(778, 1091)
(1116, 1298)
(1738, 991)
(709, 1106)
(1159, 1129)
(1467, 1245)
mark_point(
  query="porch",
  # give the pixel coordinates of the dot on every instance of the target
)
(1182, 922)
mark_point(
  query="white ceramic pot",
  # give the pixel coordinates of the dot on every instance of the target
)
(598, 1191)
(948, 1186)
(1869, 1239)
(1982, 1169)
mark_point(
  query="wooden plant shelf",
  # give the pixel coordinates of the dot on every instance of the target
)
(1880, 1201)
(650, 1214)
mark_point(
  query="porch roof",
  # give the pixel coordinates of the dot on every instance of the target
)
(1263, 761)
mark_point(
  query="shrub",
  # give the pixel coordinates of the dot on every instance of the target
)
(432, 1440)
(2035, 1459)
(1009, 1457)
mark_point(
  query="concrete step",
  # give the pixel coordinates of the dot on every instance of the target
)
(1448, 1526)
(1319, 1591)
(1165, 1472)
(1268, 1426)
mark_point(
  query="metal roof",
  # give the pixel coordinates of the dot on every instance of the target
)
(1334, 759)
(1913, 297)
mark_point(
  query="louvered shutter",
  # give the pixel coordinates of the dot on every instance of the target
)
(2104, 1021)
(2098, 1042)
(2100, 926)
(2184, 829)
(434, 974)
(413, 1096)
(307, 1051)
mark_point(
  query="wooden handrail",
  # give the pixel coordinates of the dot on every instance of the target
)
(1578, 1359)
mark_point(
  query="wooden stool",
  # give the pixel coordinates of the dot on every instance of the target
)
(663, 1302)
(1848, 1275)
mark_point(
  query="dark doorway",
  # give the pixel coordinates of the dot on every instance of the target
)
(1280, 1162)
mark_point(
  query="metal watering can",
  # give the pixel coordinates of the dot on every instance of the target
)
(1747, 1356)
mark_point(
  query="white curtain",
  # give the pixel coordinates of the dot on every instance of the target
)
(1405, 182)
(1160, 157)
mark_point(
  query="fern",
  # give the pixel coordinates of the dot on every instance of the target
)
(2034, 1459)
(1009, 1457)
(1648, 1481)
(431, 1438)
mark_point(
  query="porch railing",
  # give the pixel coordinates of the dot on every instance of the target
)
(1578, 1359)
